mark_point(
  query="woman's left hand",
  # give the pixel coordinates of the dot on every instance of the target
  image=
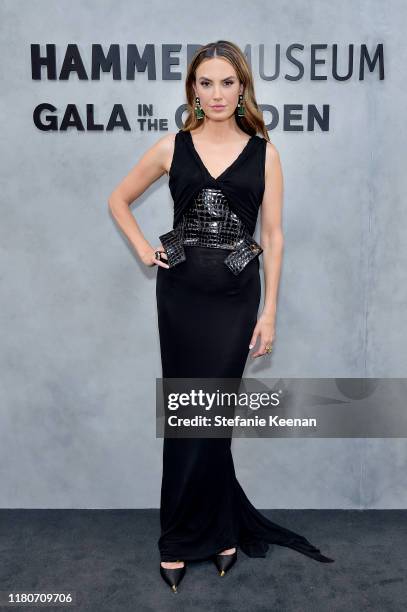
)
(265, 330)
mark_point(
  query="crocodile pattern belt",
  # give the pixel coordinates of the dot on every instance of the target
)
(209, 222)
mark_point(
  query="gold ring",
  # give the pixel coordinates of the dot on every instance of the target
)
(269, 349)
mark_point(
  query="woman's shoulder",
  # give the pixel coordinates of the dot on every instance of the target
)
(165, 147)
(271, 149)
(167, 140)
(166, 144)
(270, 154)
(266, 146)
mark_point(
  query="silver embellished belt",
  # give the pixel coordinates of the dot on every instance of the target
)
(209, 222)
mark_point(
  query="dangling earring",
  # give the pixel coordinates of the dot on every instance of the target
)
(240, 107)
(199, 114)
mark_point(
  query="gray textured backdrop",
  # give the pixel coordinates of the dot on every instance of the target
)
(80, 351)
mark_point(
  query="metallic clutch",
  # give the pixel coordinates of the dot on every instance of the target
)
(245, 250)
(173, 247)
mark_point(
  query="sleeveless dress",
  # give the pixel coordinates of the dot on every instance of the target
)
(206, 317)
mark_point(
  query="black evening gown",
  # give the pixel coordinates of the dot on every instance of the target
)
(206, 317)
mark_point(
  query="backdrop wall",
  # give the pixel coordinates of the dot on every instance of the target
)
(80, 349)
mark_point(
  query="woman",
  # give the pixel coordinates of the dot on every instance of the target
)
(208, 293)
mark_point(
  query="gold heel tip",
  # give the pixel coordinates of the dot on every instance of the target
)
(222, 573)
(174, 588)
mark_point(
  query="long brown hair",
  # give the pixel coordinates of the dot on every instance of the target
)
(252, 122)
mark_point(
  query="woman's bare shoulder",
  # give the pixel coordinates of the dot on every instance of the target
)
(271, 148)
(166, 142)
(168, 138)
(272, 161)
(164, 148)
(272, 154)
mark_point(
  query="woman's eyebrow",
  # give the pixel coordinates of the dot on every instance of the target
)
(226, 78)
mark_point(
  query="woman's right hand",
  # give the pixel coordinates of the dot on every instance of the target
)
(149, 258)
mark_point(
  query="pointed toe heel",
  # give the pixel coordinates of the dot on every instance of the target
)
(173, 576)
(224, 562)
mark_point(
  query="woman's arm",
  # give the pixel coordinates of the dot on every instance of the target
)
(152, 165)
(272, 242)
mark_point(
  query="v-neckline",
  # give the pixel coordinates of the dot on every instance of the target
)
(228, 168)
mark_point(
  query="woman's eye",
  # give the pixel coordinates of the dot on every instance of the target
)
(204, 83)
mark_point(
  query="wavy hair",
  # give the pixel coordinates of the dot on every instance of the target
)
(252, 122)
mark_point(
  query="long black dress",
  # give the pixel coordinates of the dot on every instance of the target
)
(206, 317)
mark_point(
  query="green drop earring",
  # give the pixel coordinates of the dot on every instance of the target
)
(240, 107)
(199, 114)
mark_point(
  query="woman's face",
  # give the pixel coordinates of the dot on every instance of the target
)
(216, 83)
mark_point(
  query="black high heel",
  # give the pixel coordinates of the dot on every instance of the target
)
(173, 576)
(224, 562)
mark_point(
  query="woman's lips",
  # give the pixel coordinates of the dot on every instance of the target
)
(218, 107)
